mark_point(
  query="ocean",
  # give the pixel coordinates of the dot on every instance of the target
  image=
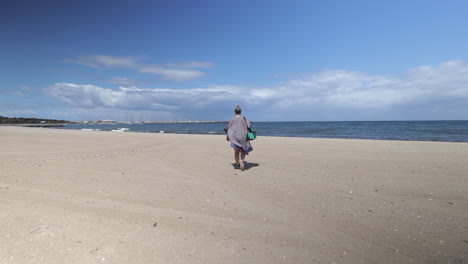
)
(447, 131)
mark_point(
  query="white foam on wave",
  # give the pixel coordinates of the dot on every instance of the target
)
(122, 129)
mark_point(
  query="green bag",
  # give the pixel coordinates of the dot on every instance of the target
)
(252, 134)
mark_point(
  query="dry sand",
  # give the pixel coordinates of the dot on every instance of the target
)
(102, 197)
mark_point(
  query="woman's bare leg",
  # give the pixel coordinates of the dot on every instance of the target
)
(242, 154)
(236, 155)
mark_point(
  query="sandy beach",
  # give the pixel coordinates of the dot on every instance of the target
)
(101, 197)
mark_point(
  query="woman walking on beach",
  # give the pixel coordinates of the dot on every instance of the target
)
(237, 134)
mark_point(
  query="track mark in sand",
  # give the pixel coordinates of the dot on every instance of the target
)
(121, 152)
(110, 154)
(22, 163)
(103, 252)
(125, 151)
(47, 230)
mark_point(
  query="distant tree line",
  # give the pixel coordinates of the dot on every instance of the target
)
(27, 120)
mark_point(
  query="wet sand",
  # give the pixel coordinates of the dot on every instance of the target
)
(95, 197)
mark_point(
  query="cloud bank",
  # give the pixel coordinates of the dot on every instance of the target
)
(425, 92)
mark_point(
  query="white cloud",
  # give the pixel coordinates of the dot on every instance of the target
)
(85, 95)
(427, 92)
(90, 96)
(173, 74)
(124, 81)
(106, 61)
(178, 72)
(100, 113)
(192, 64)
(364, 91)
(18, 113)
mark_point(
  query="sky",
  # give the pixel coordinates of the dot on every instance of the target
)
(197, 60)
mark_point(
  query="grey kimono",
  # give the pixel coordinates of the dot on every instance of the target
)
(237, 133)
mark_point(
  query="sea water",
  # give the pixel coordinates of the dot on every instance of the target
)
(449, 131)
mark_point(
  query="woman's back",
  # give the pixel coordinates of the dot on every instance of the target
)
(237, 128)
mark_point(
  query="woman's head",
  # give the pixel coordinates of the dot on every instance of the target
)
(237, 110)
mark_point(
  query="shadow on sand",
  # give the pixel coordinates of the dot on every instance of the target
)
(247, 165)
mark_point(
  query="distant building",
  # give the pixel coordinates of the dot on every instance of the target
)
(107, 121)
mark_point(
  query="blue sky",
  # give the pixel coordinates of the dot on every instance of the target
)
(279, 60)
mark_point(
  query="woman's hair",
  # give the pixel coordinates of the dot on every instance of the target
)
(237, 110)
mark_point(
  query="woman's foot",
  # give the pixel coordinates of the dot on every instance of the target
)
(242, 166)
